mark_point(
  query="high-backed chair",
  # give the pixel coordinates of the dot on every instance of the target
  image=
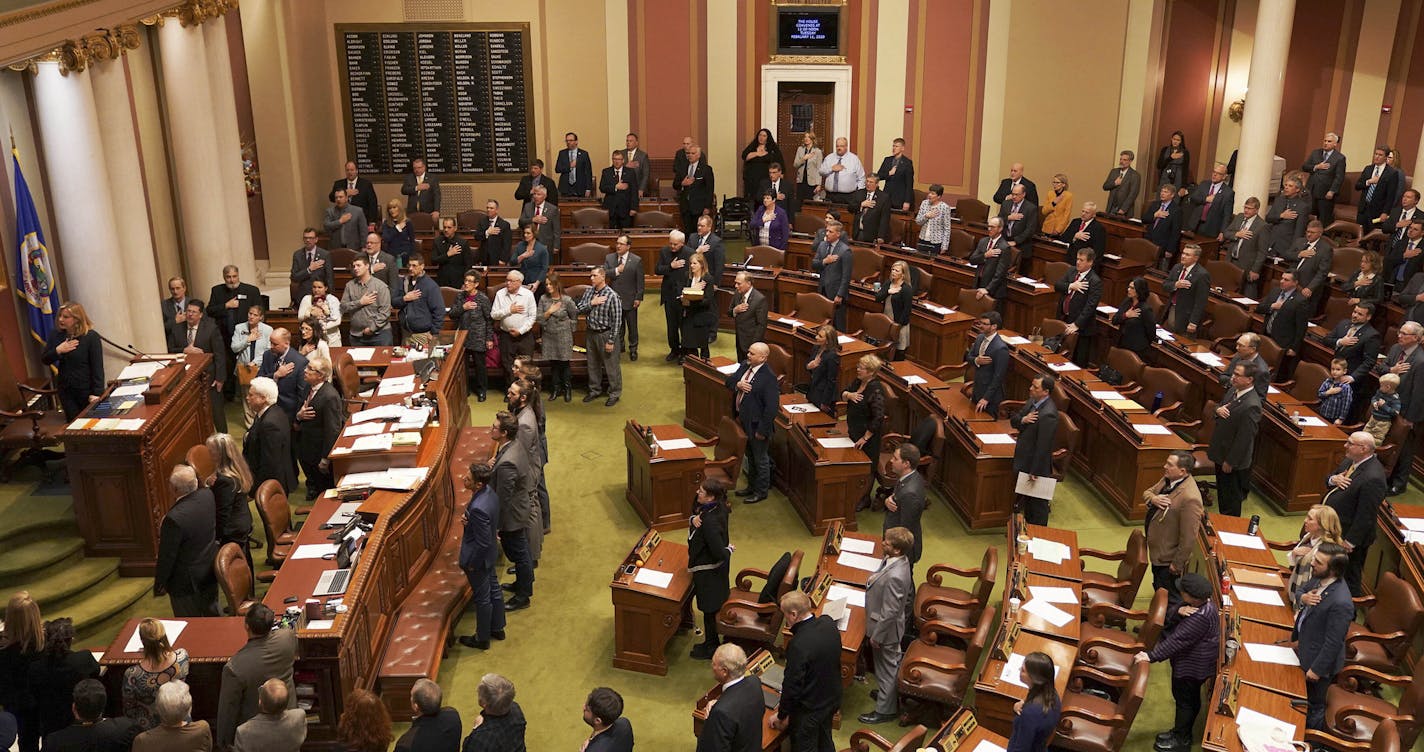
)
(1121, 586)
(1056, 270)
(807, 224)
(469, 219)
(937, 601)
(928, 437)
(1375, 240)
(766, 256)
(972, 305)
(754, 615)
(655, 218)
(729, 448)
(1346, 261)
(1228, 320)
(971, 210)
(1393, 618)
(882, 329)
(780, 361)
(1091, 723)
(421, 223)
(813, 308)
(1198, 432)
(1173, 386)
(961, 244)
(1305, 387)
(1112, 650)
(590, 218)
(864, 740)
(589, 254)
(341, 258)
(1055, 328)
(277, 527)
(201, 460)
(938, 668)
(31, 423)
(235, 578)
(1396, 436)
(1225, 275)
(1141, 249)
(866, 264)
(1127, 363)
(1343, 234)
(1353, 713)
(1067, 437)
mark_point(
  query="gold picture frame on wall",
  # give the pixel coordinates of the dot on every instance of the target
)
(783, 52)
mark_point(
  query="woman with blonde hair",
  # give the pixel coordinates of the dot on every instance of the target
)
(865, 415)
(1057, 209)
(397, 236)
(898, 295)
(699, 309)
(808, 166)
(1322, 525)
(824, 368)
(232, 481)
(159, 665)
(24, 643)
(73, 349)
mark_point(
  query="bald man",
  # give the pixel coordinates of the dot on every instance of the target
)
(1016, 178)
(1355, 492)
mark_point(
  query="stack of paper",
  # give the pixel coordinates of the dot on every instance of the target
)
(129, 390)
(364, 429)
(802, 407)
(1053, 594)
(394, 479)
(396, 385)
(1015, 340)
(1050, 551)
(858, 561)
(1150, 429)
(844, 340)
(941, 310)
(671, 444)
(994, 438)
(1310, 421)
(314, 551)
(383, 412)
(1248, 718)
(837, 442)
(1163, 334)
(1262, 653)
(1237, 540)
(729, 369)
(858, 546)
(852, 596)
(1109, 310)
(793, 323)
(1209, 358)
(913, 379)
(1062, 367)
(1048, 612)
(1257, 595)
(144, 370)
(405, 439)
(412, 418)
(1246, 301)
(1106, 394)
(361, 353)
(652, 577)
(380, 442)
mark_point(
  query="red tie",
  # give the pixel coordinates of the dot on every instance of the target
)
(1175, 290)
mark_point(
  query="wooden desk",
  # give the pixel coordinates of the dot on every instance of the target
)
(1070, 569)
(119, 479)
(1221, 735)
(938, 335)
(976, 477)
(706, 399)
(852, 638)
(994, 697)
(661, 484)
(1256, 557)
(1276, 677)
(824, 484)
(1068, 632)
(899, 377)
(787, 419)
(830, 564)
(967, 742)
(771, 739)
(1291, 461)
(210, 641)
(646, 617)
(1391, 554)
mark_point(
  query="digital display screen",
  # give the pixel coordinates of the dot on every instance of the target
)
(813, 32)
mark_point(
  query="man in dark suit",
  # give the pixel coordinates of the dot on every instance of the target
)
(186, 547)
(433, 727)
(783, 188)
(479, 555)
(1288, 216)
(451, 255)
(1020, 217)
(1016, 180)
(1377, 185)
(1411, 298)
(672, 267)
(268, 654)
(359, 192)
(756, 399)
(624, 271)
(496, 236)
(906, 503)
(833, 262)
(1311, 258)
(1358, 343)
(897, 173)
(1122, 184)
(574, 168)
(811, 688)
(889, 598)
(286, 367)
(636, 159)
(989, 356)
(346, 223)
(1188, 285)
(680, 160)
(308, 263)
(227, 305)
(1406, 360)
(1323, 620)
(198, 334)
(1244, 245)
(1326, 167)
(1163, 222)
(1210, 204)
(1085, 231)
(423, 188)
(1079, 291)
(619, 187)
(1248, 350)
(748, 311)
(707, 243)
(1398, 223)
(267, 447)
(734, 721)
(872, 219)
(992, 258)
(318, 424)
(543, 216)
(1356, 490)
(1406, 255)
(91, 731)
(696, 189)
(1287, 314)
(536, 177)
(1233, 442)
(1037, 424)
(176, 303)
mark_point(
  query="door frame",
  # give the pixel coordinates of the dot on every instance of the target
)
(837, 75)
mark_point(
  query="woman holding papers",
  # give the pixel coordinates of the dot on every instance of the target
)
(1191, 644)
(1322, 525)
(865, 415)
(73, 348)
(1135, 320)
(231, 482)
(824, 367)
(898, 298)
(699, 308)
(1037, 713)
(709, 558)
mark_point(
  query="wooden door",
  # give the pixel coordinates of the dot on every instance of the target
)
(803, 106)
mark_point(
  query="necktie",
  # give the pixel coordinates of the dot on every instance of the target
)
(620, 175)
(1012, 221)
(983, 345)
(351, 185)
(774, 189)
(312, 393)
(1210, 192)
(573, 165)
(1163, 207)
(1370, 192)
(1405, 215)
(746, 379)
(1175, 290)
(1284, 296)
(1399, 271)
(251, 347)
(836, 176)
(192, 335)
(1069, 297)
(1236, 249)
(692, 170)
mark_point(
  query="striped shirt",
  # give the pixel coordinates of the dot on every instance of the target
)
(606, 317)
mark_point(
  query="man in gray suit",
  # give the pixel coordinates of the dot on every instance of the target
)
(1037, 424)
(1406, 360)
(1311, 258)
(308, 263)
(1233, 442)
(1288, 216)
(624, 270)
(833, 263)
(748, 311)
(269, 653)
(345, 223)
(1326, 166)
(907, 502)
(637, 160)
(276, 727)
(1122, 184)
(889, 594)
(543, 215)
(1243, 244)
(1248, 350)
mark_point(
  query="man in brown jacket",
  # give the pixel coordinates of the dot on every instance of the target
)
(1174, 511)
(268, 654)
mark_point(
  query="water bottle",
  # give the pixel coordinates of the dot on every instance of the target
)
(1255, 524)
(1157, 401)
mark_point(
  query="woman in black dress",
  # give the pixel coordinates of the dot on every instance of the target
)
(22, 644)
(73, 348)
(825, 369)
(865, 415)
(1135, 320)
(1174, 162)
(699, 312)
(900, 294)
(232, 480)
(757, 159)
(709, 558)
(54, 674)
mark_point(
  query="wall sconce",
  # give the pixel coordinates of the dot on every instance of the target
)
(1237, 110)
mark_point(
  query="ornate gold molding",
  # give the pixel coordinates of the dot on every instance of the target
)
(807, 60)
(195, 12)
(110, 44)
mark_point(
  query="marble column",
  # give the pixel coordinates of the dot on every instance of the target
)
(78, 177)
(1265, 85)
(134, 238)
(231, 189)
(195, 149)
(1418, 160)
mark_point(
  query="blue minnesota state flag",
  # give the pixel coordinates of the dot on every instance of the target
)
(34, 274)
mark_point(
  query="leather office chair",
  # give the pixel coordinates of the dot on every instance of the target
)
(766, 256)
(968, 303)
(865, 740)
(341, 258)
(729, 449)
(1173, 386)
(1110, 650)
(467, 220)
(1230, 321)
(1336, 309)
(1346, 260)
(780, 361)
(655, 218)
(1127, 363)
(807, 224)
(1225, 275)
(968, 209)
(1393, 440)
(813, 308)
(234, 578)
(1056, 270)
(1305, 387)
(1141, 249)
(1393, 618)
(1271, 353)
(754, 616)
(1374, 240)
(1353, 716)
(1121, 586)
(939, 666)
(591, 218)
(928, 437)
(1090, 723)
(1067, 438)
(421, 223)
(936, 601)
(866, 265)
(201, 460)
(1055, 328)
(1343, 233)
(277, 527)
(882, 329)
(1198, 432)
(589, 254)
(961, 244)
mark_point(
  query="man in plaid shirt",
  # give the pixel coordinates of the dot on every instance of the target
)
(605, 314)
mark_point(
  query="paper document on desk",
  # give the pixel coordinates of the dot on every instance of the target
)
(1310, 421)
(1248, 718)
(836, 609)
(912, 379)
(858, 561)
(143, 370)
(844, 340)
(837, 442)
(129, 390)
(1010, 673)
(802, 407)
(1151, 429)
(1262, 596)
(1209, 358)
(361, 353)
(1048, 550)
(380, 442)
(1109, 310)
(383, 412)
(1053, 594)
(1412, 523)
(397, 385)
(412, 418)
(987, 746)
(793, 323)
(171, 627)
(858, 546)
(1246, 301)
(1106, 394)
(1015, 340)
(364, 429)
(1413, 536)
(394, 479)
(1272, 390)
(1065, 367)
(941, 310)
(1041, 487)
(1165, 335)
(1263, 653)
(1239, 540)
(314, 551)
(852, 596)
(670, 444)
(994, 438)
(729, 369)
(652, 577)
(1125, 405)
(1048, 612)
(343, 513)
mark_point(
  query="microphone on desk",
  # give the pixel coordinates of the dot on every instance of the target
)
(126, 348)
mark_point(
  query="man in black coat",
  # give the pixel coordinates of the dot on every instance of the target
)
(1311, 258)
(897, 173)
(783, 188)
(1355, 340)
(451, 255)
(1080, 290)
(1016, 180)
(1243, 243)
(433, 728)
(872, 219)
(359, 192)
(318, 425)
(672, 267)
(734, 721)
(525, 190)
(906, 503)
(267, 447)
(1288, 215)
(624, 271)
(1037, 424)
(1021, 222)
(1356, 490)
(1400, 218)
(227, 305)
(423, 189)
(1085, 231)
(1287, 313)
(1210, 203)
(811, 689)
(285, 365)
(833, 262)
(1188, 285)
(91, 731)
(748, 310)
(308, 263)
(186, 547)
(1323, 620)
(756, 399)
(619, 186)
(1162, 220)
(1406, 359)
(495, 234)
(197, 334)
(709, 244)
(1326, 167)
(1233, 442)
(992, 258)
(989, 356)
(1406, 255)
(574, 168)
(696, 189)
(1377, 185)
